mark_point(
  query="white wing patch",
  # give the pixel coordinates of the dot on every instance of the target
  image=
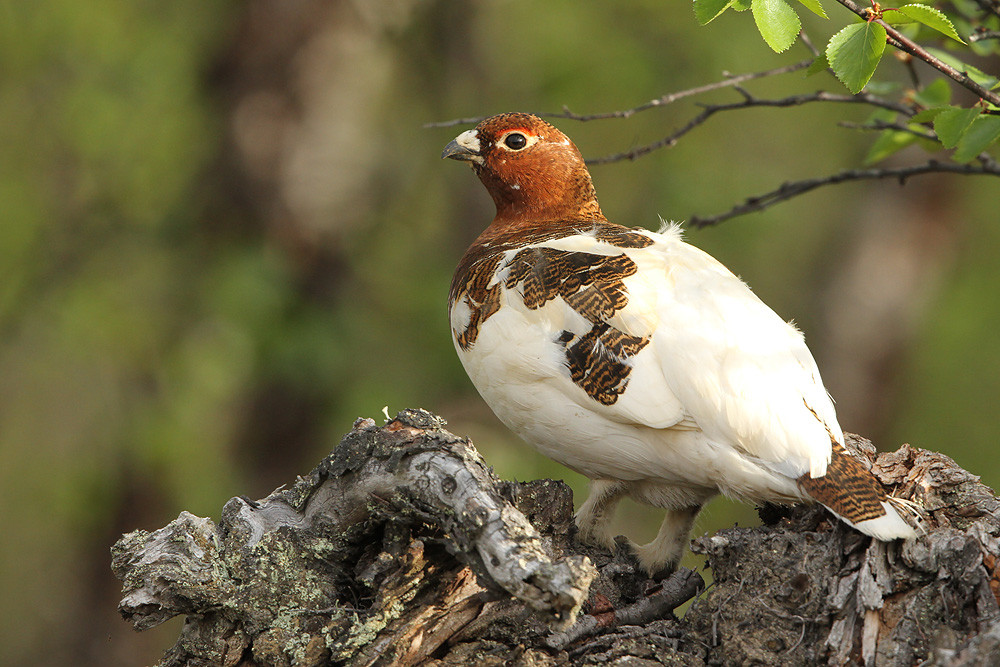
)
(744, 374)
(668, 340)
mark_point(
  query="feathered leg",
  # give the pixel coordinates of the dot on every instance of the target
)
(661, 556)
(593, 519)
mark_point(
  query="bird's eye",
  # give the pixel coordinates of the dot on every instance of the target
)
(515, 141)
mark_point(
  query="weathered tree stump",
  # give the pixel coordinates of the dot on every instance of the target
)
(402, 548)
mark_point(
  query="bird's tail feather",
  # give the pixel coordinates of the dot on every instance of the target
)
(854, 495)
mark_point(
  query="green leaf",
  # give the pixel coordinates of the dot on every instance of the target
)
(928, 114)
(977, 75)
(930, 17)
(881, 116)
(777, 22)
(952, 123)
(854, 53)
(707, 11)
(888, 142)
(935, 94)
(814, 7)
(821, 64)
(983, 132)
(894, 18)
(741, 5)
(883, 87)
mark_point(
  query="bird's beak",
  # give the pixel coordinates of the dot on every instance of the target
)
(464, 147)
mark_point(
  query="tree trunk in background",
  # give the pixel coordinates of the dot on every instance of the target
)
(294, 170)
(877, 298)
(402, 548)
(292, 175)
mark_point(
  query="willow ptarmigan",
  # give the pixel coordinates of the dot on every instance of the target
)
(637, 359)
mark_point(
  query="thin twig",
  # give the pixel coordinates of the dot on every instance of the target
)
(807, 42)
(475, 120)
(989, 6)
(750, 101)
(910, 69)
(879, 125)
(674, 591)
(901, 41)
(983, 34)
(728, 81)
(788, 190)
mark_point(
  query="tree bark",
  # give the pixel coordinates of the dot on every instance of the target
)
(402, 548)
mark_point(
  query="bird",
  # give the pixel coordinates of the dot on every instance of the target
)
(637, 359)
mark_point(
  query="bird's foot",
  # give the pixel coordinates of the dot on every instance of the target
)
(649, 558)
(657, 564)
(595, 531)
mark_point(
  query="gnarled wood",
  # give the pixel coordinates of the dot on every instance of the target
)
(370, 556)
(402, 548)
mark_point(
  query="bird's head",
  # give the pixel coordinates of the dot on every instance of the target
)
(532, 171)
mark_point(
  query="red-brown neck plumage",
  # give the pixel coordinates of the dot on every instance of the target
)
(547, 182)
(541, 191)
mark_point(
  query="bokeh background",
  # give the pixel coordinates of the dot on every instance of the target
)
(226, 234)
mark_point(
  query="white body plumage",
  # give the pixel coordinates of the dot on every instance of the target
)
(726, 396)
(637, 359)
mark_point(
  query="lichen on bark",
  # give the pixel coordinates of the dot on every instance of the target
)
(402, 548)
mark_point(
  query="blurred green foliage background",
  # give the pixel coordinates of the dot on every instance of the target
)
(226, 234)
